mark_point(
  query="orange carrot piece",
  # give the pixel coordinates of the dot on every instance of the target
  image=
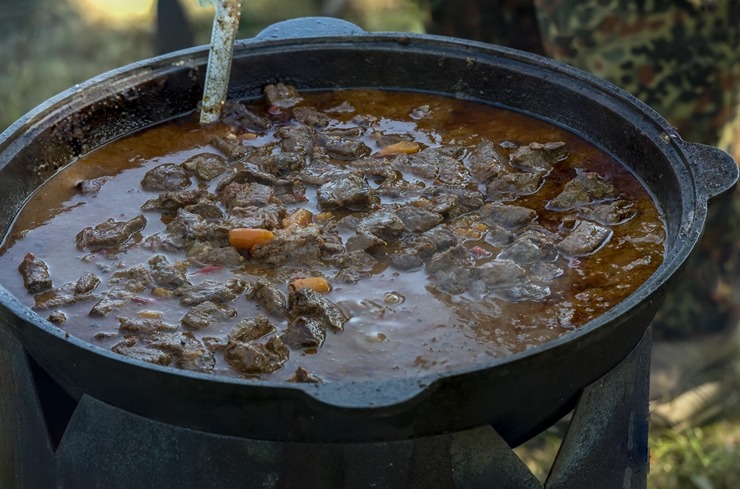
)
(246, 238)
(301, 217)
(317, 284)
(408, 147)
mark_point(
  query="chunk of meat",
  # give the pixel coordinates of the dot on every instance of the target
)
(35, 274)
(92, 186)
(205, 313)
(377, 229)
(187, 227)
(247, 195)
(610, 213)
(295, 245)
(508, 216)
(264, 217)
(487, 162)
(407, 260)
(204, 253)
(281, 95)
(511, 185)
(205, 209)
(171, 201)
(251, 329)
(304, 376)
(457, 256)
(231, 147)
(306, 302)
(523, 292)
(130, 347)
(143, 326)
(342, 148)
(354, 266)
(586, 188)
(284, 163)
(252, 358)
(295, 139)
(124, 286)
(348, 191)
(167, 176)
(187, 351)
(269, 297)
(433, 163)
(538, 157)
(311, 117)
(57, 317)
(530, 247)
(167, 275)
(69, 293)
(501, 273)
(439, 238)
(213, 291)
(585, 238)
(206, 166)
(87, 283)
(364, 241)
(417, 219)
(110, 234)
(239, 115)
(303, 332)
(453, 202)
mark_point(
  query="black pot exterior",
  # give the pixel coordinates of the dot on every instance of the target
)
(519, 395)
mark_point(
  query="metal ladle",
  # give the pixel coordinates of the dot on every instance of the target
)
(225, 25)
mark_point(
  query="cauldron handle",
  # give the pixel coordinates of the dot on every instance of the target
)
(304, 27)
(715, 171)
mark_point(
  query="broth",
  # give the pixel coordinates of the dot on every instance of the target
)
(449, 232)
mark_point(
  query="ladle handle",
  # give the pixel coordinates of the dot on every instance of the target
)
(306, 27)
(716, 172)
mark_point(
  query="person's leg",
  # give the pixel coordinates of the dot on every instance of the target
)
(681, 58)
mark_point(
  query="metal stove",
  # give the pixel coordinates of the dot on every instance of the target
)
(49, 440)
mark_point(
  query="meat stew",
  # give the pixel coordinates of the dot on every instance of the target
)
(318, 236)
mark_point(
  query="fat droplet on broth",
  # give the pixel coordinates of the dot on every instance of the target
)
(394, 298)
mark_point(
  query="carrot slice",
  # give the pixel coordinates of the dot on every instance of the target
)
(246, 238)
(301, 217)
(317, 284)
(408, 147)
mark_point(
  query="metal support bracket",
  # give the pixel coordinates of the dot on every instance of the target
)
(105, 447)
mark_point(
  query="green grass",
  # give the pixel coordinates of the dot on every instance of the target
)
(54, 48)
(704, 457)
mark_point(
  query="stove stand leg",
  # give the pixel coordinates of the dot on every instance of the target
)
(481, 459)
(606, 444)
(25, 448)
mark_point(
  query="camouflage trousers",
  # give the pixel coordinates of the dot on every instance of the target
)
(680, 57)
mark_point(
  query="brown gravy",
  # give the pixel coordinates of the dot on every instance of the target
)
(400, 320)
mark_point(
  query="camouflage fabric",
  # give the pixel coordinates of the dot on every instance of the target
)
(680, 57)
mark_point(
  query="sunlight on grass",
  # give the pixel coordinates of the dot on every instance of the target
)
(116, 12)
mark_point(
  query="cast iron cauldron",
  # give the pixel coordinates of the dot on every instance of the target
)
(518, 395)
